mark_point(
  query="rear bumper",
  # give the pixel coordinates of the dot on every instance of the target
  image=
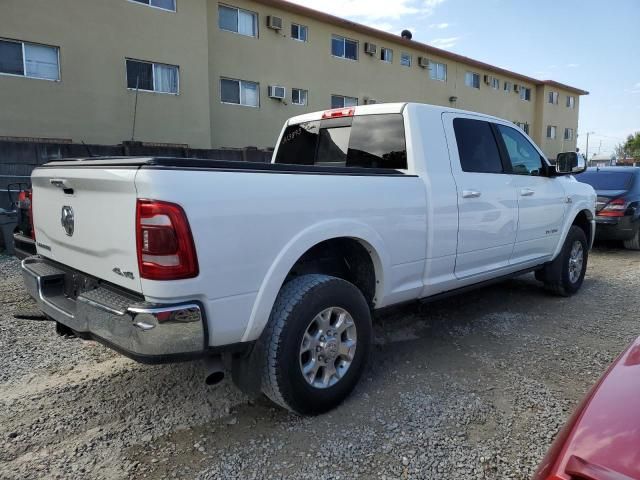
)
(148, 333)
(616, 228)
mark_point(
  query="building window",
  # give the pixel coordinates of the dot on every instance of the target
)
(438, 71)
(525, 93)
(299, 96)
(237, 20)
(472, 80)
(523, 126)
(507, 87)
(406, 60)
(553, 98)
(299, 32)
(571, 102)
(239, 92)
(551, 131)
(386, 55)
(29, 60)
(153, 77)
(338, 101)
(169, 5)
(568, 133)
(495, 84)
(344, 48)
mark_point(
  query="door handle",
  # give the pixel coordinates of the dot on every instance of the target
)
(471, 194)
(527, 192)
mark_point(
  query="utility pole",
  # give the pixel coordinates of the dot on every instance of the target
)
(587, 152)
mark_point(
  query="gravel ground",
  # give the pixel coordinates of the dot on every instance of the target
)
(473, 387)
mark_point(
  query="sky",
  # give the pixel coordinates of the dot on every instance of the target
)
(590, 44)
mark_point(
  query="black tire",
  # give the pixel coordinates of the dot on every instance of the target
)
(634, 243)
(298, 303)
(557, 276)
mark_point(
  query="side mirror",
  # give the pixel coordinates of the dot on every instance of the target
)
(570, 163)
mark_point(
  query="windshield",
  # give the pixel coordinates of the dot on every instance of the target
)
(607, 180)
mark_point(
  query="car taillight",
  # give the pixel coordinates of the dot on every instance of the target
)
(164, 242)
(29, 198)
(615, 208)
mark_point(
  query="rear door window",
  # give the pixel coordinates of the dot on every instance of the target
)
(477, 146)
(366, 141)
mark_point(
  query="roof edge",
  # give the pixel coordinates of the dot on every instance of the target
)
(358, 27)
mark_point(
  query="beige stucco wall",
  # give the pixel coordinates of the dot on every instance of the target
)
(91, 102)
(275, 59)
(558, 115)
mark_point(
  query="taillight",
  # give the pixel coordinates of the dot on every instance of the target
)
(339, 112)
(29, 198)
(615, 208)
(164, 242)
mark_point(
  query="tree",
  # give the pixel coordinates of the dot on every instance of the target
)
(632, 146)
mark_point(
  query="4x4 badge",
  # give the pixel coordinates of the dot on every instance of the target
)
(67, 220)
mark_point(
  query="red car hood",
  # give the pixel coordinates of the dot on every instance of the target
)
(602, 439)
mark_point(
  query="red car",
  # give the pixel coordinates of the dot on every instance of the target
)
(601, 441)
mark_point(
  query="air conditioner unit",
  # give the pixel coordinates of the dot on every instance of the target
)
(423, 62)
(370, 48)
(516, 88)
(370, 101)
(274, 23)
(279, 93)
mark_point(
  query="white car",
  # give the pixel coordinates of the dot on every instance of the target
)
(275, 268)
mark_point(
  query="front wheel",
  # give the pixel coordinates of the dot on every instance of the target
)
(565, 275)
(316, 344)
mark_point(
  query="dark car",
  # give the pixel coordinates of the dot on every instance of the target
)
(23, 236)
(618, 208)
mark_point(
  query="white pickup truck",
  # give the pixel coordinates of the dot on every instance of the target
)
(272, 270)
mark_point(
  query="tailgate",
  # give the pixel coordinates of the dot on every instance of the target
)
(85, 218)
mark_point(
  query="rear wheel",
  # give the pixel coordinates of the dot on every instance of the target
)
(565, 275)
(316, 344)
(634, 243)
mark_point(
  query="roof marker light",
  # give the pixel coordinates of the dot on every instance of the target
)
(339, 112)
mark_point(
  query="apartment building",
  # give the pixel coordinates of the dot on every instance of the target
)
(210, 74)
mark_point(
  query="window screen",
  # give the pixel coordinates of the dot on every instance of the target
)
(367, 141)
(41, 61)
(477, 146)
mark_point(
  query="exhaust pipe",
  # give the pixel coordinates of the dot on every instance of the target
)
(214, 371)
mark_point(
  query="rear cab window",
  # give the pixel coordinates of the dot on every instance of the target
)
(362, 141)
(607, 179)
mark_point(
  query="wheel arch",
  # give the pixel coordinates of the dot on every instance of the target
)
(583, 217)
(343, 231)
